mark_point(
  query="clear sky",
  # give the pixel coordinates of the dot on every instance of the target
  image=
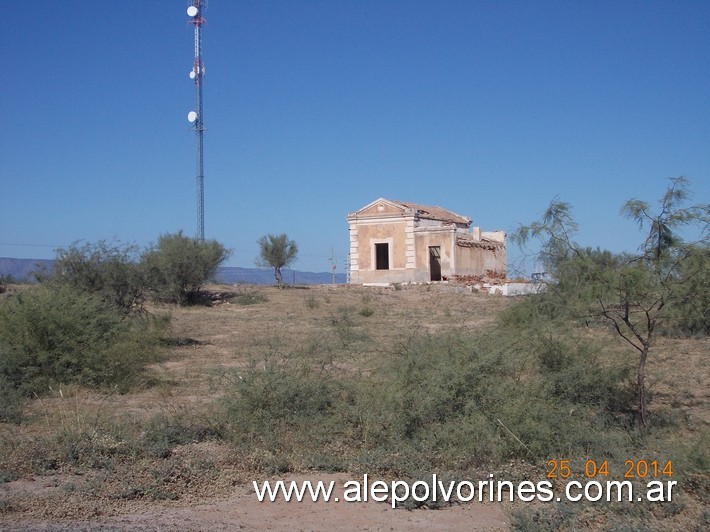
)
(315, 108)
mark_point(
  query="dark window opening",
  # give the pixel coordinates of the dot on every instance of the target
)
(382, 256)
(435, 263)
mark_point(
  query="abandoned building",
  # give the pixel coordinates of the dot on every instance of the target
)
(401, 242)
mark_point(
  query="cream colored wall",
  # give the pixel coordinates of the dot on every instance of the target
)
(367, 235)
(476, 261)
(409, 240)
(422, 243)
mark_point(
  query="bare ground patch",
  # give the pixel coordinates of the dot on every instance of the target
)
(203, 484)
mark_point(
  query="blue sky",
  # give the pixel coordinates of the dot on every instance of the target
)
(315, 108)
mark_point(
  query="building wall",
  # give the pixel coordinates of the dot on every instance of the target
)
(367, 235)
(477, 260)
(409, 237)
(423, 240)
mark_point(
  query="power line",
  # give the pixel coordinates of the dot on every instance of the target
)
(32, 245)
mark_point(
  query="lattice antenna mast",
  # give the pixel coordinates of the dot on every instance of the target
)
(196, 117)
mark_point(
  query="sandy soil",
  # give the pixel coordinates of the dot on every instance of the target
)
(210, 341)
(242, 511)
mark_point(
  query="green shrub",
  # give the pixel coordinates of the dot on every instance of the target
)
(55, 334)
(458, 398)
(690, 307)
(166, 431)
(112, 271)
(6, 280)
(573, 372)
(451, 401)
(11, 401)
(528, 518)
(311, 302)
(282, 395)
(345, 327)
(366, 312)
(249, 297)
(178, 266)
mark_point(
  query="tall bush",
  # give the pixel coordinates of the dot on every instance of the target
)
(53, 334)
(178, 266)
(110, 270)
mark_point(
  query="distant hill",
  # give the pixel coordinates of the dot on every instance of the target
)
(236, 275)
(21, 270)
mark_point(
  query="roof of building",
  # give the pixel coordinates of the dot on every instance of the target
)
(434, 213)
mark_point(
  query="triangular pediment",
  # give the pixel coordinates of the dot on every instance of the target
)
(380, 207)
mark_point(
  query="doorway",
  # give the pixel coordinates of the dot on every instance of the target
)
(435, 263)
(382, 256)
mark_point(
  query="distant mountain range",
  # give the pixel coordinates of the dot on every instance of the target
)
(236, 275)
(22, 270)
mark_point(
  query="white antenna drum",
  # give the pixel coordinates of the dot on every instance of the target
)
(192, 11)
(191, 116)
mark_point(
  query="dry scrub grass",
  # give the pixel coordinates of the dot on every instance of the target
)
(44, 481)
(203, 343)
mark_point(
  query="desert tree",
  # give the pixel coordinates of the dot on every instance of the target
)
(276, 252)
(652, 281)
(178, 266)
(663, 245)
(634, 293)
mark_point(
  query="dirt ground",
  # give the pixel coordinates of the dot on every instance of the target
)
(241, 510)
(209, 341)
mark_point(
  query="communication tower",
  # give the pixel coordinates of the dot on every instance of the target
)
(195, 117)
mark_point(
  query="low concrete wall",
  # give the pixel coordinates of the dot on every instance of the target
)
(512, 289)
